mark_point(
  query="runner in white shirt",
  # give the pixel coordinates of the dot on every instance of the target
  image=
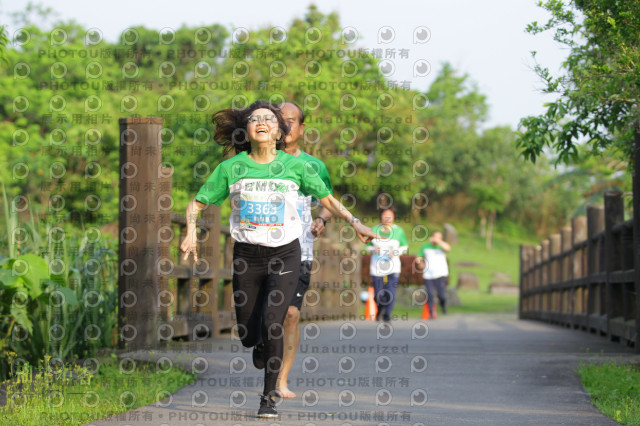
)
(436, 270)
(385, 262)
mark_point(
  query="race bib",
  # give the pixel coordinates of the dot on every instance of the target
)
(255, 213)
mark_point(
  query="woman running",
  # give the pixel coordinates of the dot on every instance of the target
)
(262, 182)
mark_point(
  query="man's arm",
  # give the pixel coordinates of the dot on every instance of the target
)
(318, 225)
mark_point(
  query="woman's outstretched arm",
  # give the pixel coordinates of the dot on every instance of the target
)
(337, 209)
(189, 244)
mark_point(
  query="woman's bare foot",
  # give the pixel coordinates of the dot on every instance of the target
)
(285, 393)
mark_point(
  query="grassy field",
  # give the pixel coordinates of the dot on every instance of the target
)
(472, 302)
(503, 258)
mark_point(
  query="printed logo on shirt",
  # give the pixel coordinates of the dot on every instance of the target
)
(267, 186)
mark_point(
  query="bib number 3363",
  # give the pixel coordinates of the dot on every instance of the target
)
(262, 213)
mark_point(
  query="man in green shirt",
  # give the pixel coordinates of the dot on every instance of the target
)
(294, 117)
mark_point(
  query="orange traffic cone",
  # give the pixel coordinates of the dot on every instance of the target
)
(425, 312)
(370, 308)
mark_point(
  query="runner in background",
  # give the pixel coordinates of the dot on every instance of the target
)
(436, 270)
(385, 261)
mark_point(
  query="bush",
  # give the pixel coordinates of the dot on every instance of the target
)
(57, 298)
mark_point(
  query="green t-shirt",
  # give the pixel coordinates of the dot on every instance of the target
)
(387, 261)
(263, 196)
(319, 167)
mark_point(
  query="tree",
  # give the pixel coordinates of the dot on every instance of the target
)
(599, 90)
(491, 185)
(456, 110)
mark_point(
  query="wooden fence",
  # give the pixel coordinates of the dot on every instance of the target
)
(162, 296)
(584, 277)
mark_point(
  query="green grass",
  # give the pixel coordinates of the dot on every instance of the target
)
(504, 257)
(614, 389)
(472, 302)
(73, 395)
(478, 302)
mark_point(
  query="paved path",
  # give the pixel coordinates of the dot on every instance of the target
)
(457, 370)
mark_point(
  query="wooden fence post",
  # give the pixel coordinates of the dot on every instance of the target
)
(532, 300)
(613, 214)
(554, 269)
(524, 287)
(566, 247)
(540, 305)
(544, 272)
(579, 235)
(566, 238)
(138, 284)
(535, 297)
(165, 236)
(595, 225)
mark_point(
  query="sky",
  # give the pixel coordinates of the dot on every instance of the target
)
(484, 39)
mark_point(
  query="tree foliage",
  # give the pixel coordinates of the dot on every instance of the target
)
(598, 92)
(456, 112)
(65, 88)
